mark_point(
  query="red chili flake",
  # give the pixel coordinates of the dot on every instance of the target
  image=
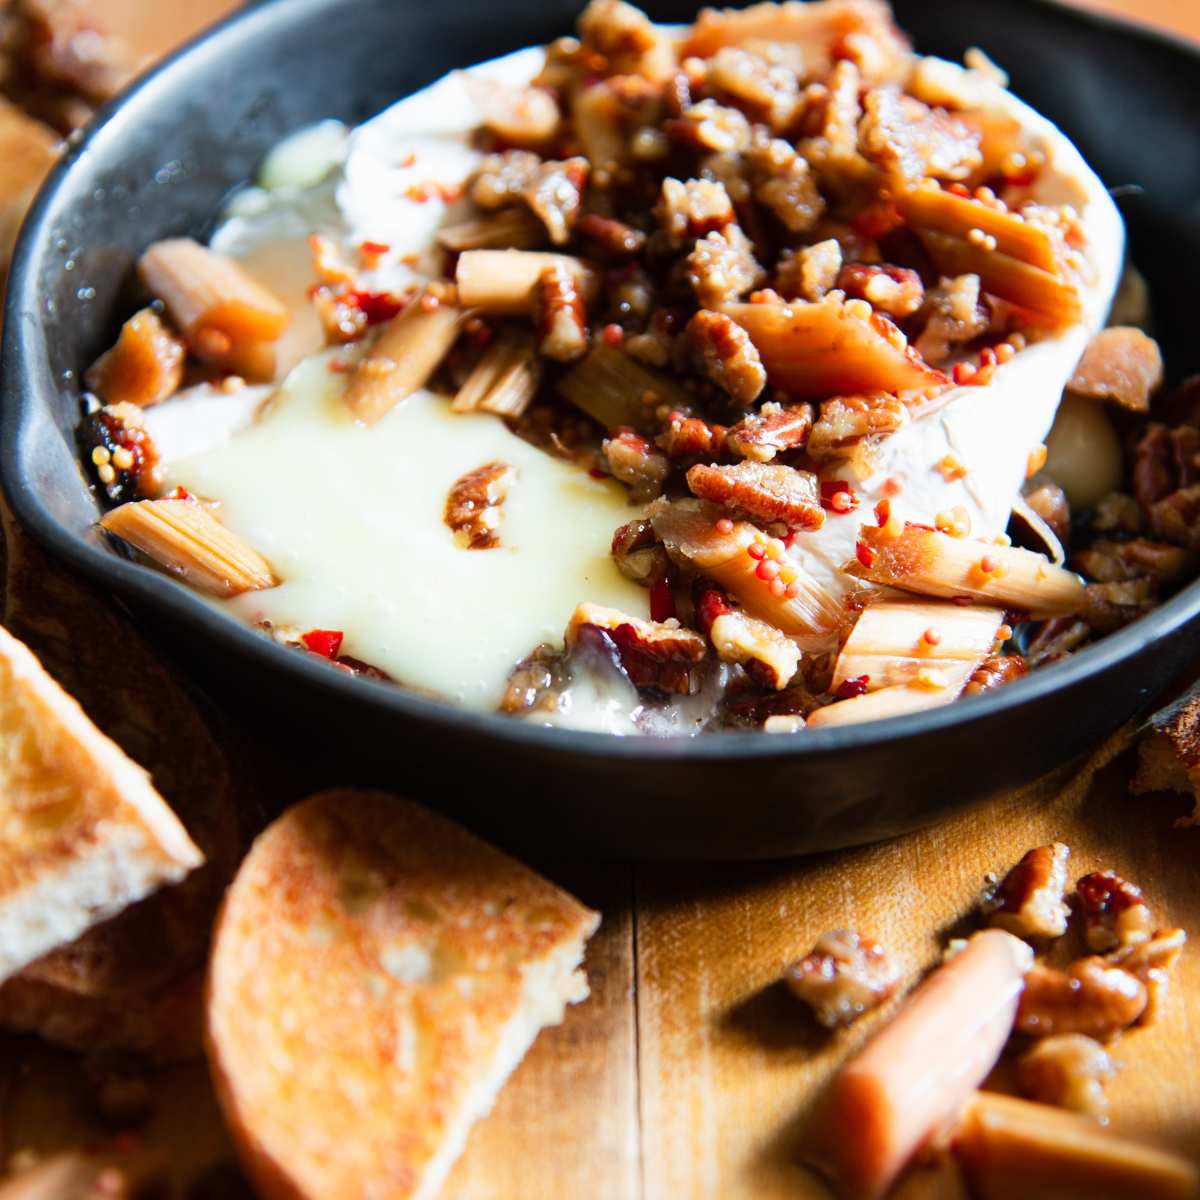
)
(838, 496)
(877, 220)
(662, 601)
(450, 193)
(850, 688)
(375, 249)
(181, 493)
(325, 642)
(883, 512)
(962, 601)
(892, 486)
(711, 604)
(864, 554)
(377, 307)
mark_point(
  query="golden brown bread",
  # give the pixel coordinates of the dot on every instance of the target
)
(377, 973)
(1169, 753)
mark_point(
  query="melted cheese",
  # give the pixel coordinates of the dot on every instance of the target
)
(351, 518)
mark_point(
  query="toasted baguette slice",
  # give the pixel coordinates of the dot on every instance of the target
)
(1169, 753)
(377, 974)
(83, 833)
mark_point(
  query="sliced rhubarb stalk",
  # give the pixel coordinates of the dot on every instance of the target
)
(615, 389)
(913, 1077)
(504, 380)
(771, 656)
(938, 688)
(185, 539)
(501, 282)
(509, 229)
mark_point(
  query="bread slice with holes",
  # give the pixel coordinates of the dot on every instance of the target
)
(83, 833)
(377, 974)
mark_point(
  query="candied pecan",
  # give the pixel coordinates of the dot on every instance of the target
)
(1049, 502)
(784, 184)
(995, 671)
(1056, 639)
(1165, 460)
(121, 452)
(710, 126)
(810, 272)
(765, 91)
(614, 238)
(833, 151)
(846, 420)
(627, 38)
(559, 315)
(690, 210)
(638, 553)
(722, 267)
(1151, 961)
(767, 491)
(536, 682)
(143, 367)
(1176, 518)
(954, 314)
(1029, 902)
(473, 505)
(1108, 561)
(1069, 1071)
(1091, 997)
(725, 353)
(1114, 912)
(912, 141)
(769, 656)
(842, 977)
(1120, 364)
(502, 179)
(896, 291)
(555, 194)
(761, 435)
(631, 459)
(1117, 513)
(658, 654)
(630, 294)
(686, 437)
(728, 169)
(1112, 606)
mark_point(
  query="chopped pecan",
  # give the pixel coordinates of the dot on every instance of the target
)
(768, 655)
(121, 452)
(954, 315)
(144, 367)
(722, 267)
(896, 291)
(710, 126)
(1165, 460)
(536, 682)
(1114, 912)
(632, 460)
(686, 437)
(638, 553)
(912, 141)
(842, 977)
(1049, 501)
(810, 272)
(833, 151)
(627, 38)
(766, 92)
(613, 237)
(726, 354)
(1151, 961)
(690, 210)
(555, 194)
(518, 116)
(1056, 639)
(784, 184)
(1111, 606)
(767, 491)
(473, 505)
(995, 671)
(1068, 1071)
(559, 315)
(659, 654)
(1091, 997)
(502, 179)
(761, 435)
(1120, 364)
(846, 420)
(1029, 902)
(1176, 518)
(1108, 561)
(1118, 513)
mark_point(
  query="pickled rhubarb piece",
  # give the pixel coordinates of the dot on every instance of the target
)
(940, 687)
(770, 656)
(504, 380)
(501, 282)
(615, 390)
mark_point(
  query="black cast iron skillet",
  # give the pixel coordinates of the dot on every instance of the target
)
(159, 163)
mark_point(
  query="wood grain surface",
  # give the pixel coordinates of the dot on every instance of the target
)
(690, 1070)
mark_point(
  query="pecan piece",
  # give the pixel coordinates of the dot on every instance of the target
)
(762, 435)
(767, 491)
(1111, 606)
(896, 291)
(658, 654)
(954, 314)
(687, 437)
(722, 267)
(638, 553)
(1114, 912)
(559, 315)
(844, 976)
(768, 655)
(847, 420)
(473, 505)
(809, 273)
(710, 126)
(767, 92)
(1165, 460)
(555, 195)
(627, 38)
(121, 452)
(727, 356)
(1068, 1071)
(995, 671)
(1029, 902)
(1056, 639)
(613, 237)
(1109, 562)
(1151, 961)
(144, 367)
(1117, 513)
(690, 210)
(1049, 501)
(501, 179)
(1091, 997)
(785, 185)
(1120, 364)
(1176, 518)
(631, 459)
(912, 141)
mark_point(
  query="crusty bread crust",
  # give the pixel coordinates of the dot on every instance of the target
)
(1169, 753)
(377, 973)
(83, 833)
